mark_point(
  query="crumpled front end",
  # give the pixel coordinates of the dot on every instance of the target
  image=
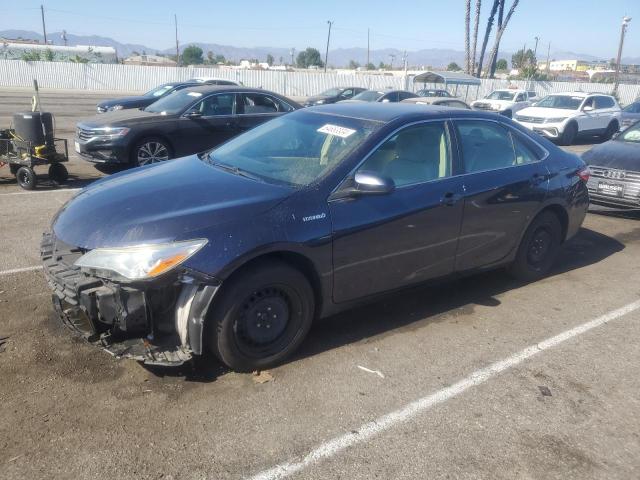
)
(158, 322)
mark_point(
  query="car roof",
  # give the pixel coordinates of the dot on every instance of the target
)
(388, 112)
(198, 87)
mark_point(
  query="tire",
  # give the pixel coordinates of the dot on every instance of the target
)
(570, 133)
(238, 326)
(612, 128)
(58, 173)
(26, 178)
(538, 249)
(150, 150)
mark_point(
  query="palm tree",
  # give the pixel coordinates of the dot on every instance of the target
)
(494, 50)
(492, 70)
(475, 36)
(487, 32)
(467, 52)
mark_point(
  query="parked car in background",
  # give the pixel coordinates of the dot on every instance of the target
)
(430, 92)
(567, 116)
(440, 101)
(214, 81)
(333, 95)
(239, 249)
(184, 122)
(630, 115)
(383, 96)
(506, 101)
(141, 101)
(615, 170)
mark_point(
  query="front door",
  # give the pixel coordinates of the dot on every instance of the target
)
(382, 242)
(208, 123)
(505, 182)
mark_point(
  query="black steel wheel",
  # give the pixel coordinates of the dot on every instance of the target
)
(58, 173)
(26, 178)
(570, 133)
(539, 248)
(261, 316)
(612, 128)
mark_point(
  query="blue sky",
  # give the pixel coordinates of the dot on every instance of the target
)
(585, 26)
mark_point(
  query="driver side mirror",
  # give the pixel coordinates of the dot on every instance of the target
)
(587, 108)
(193, 114)
(365, 183)
(385, 100)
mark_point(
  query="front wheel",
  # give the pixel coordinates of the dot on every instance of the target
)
(538, 249)
(569, 135)
(612, 128)
(150, 150)
(261, 316)
(58, 173)
(26, 178)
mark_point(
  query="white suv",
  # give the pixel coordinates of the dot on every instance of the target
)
(565, 116)
(506, 102)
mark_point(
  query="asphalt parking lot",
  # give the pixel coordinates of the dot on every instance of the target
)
(478, 378)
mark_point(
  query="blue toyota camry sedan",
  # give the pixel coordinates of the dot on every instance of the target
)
(239, 249)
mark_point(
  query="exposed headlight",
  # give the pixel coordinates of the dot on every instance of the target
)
(496, 106)
(115, 107)
(139, 262)
(555, 120)
(108, 132)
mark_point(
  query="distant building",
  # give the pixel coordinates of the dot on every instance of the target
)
(150, 60)
(30, 50)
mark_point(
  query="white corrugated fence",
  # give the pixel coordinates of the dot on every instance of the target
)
(129, 78)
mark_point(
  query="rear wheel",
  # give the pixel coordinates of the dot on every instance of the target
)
(151, 150)
(58, 173)
(26, 178)
(538, 249)
(261, 316)
(569, 135)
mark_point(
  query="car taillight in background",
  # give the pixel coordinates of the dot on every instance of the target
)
(584, 174)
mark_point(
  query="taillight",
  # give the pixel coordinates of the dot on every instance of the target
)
(584, 174)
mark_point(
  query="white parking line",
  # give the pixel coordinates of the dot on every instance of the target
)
(368, 430)
(19, 270)
(58, 190)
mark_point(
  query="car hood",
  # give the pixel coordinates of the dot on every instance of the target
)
(128, 102)
(161, 203)
(614, 154)
(499, 103)
(122, 118)
(546, 112)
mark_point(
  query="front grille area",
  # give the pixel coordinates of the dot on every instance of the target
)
(482, 106)
(64, 278)
(630, 180)
(522, 118)
(84, 134)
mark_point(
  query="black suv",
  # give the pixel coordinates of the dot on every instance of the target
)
(187, 121)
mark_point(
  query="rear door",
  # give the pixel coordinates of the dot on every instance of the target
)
(505, 180)
(382, 242)
(257, 108)
(606, 110)
(207, 124)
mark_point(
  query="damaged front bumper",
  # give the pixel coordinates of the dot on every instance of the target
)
(158, 322)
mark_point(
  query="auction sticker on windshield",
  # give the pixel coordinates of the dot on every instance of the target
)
(336, 130)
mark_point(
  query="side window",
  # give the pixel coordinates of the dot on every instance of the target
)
(405, 95)
(485, 146)
(604, 102)
(531, 95)
(520, 97)
(589, 102)
(456, 104)
(416, 154)
(525, 152)
(255, 103)
(216, 105)
(347, 94)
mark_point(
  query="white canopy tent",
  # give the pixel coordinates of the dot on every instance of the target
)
(446, 79)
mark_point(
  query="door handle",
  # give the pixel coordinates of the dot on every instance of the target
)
(449, 199)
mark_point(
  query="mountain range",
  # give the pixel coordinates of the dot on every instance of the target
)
(340, 57)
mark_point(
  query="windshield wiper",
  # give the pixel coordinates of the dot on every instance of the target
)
(235, 170)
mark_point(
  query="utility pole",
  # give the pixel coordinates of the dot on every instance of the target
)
(623, 31)
(405, 65)
(175, 21)
(64, 37)
(292, 52)
(44, 28)
(326, 55)
(535, 49)
(368, 50)
(393, 57)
